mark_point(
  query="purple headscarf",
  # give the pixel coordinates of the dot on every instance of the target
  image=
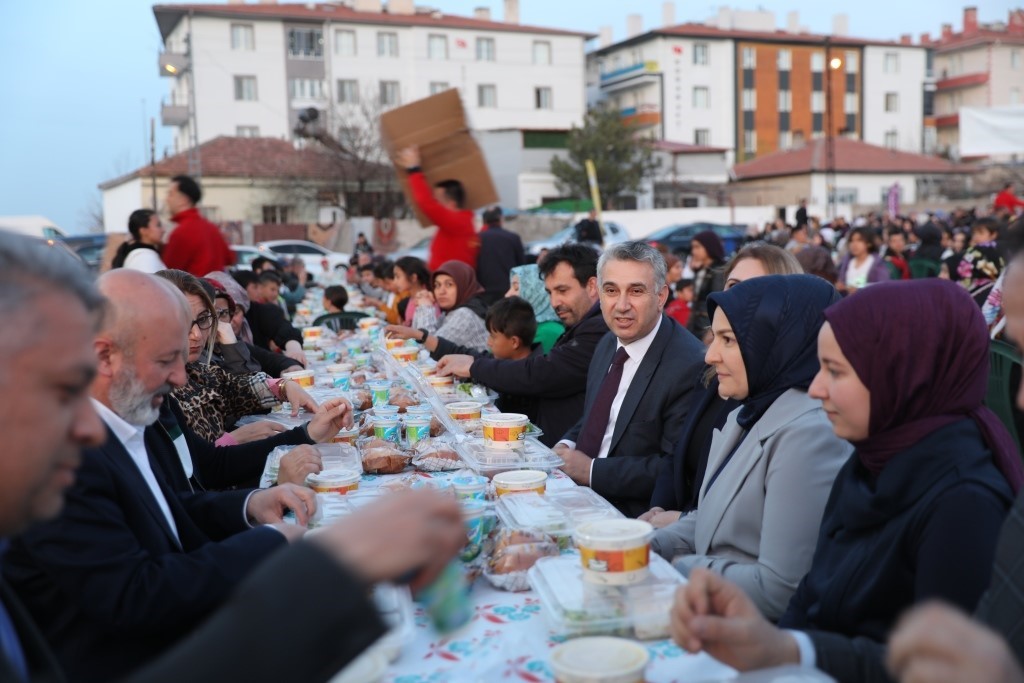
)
(921, 349)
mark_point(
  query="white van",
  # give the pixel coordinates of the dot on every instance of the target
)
(34, 226)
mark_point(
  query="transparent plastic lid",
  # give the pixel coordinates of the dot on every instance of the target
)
(555, 512)
(575, 607)
(534, 456)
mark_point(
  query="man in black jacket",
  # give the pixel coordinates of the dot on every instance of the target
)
(500, 251)
(559, 379)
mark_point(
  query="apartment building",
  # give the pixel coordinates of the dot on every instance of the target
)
(250, 69)
(738, 82)
(980, 66)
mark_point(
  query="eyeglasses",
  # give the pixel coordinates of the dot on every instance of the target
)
(224, 315)
(204, 321)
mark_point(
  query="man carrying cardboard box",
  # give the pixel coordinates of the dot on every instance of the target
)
(444, 205)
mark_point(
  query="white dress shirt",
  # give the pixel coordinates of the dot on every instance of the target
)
(636, 351)
(132, 438)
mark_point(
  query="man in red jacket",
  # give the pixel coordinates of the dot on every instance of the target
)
(196, 245)
(1007, 201)
(456, 237)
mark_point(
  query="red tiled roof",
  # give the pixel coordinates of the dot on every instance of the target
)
(685, 148)
(959, 41)
(229, 157)
(851, 156)
(168, 16)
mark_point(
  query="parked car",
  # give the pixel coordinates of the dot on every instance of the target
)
(244, 254)
(315, 256)
(89, 248)
(678, 237)
(613, 232)
(420, 250)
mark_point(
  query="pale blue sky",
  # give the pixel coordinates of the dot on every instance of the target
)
(79, 80)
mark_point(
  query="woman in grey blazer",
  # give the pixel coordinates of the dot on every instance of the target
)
(772, 465)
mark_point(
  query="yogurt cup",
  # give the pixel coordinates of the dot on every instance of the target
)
(368, 323)
(394, 342)
(348, 436)
(470, 487)
(340, 368)
(312, 332)
(334, 481)
(442, 385)
(599, 659)
(353, 346)
(614, 552)
(405, 354)
(362, 359)
(386, 410)
(304, 378)
(381, 392)
(417, 428)
(464, 410)
(505, 430)
(341, 380)
(386, 427)
(473, 519)
(520, 481)
(420, 409)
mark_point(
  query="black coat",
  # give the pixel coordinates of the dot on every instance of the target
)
(500, 251)
(268, 324)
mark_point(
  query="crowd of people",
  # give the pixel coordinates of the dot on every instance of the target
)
(803, 422)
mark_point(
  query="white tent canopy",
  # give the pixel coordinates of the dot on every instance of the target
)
(992, 130)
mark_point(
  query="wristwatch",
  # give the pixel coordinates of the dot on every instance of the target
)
(423, 340)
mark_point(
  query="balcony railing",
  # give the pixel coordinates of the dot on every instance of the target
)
(637, 69)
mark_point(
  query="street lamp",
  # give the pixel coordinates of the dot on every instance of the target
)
(832, 64)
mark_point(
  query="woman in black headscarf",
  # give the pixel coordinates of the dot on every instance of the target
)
(772, 465)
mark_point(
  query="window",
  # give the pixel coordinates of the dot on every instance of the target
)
(749, 99)
(1015, 59)
(850, 103)
(306, 88)
(345, 43)
(785, 60)
(785, 139)
(437, 47)
(485, 49)
(306, 43)
(749, 58)
(242, 37)
(389, 93)
(892, 139)
(348, 91)
(542, 98)
(785, 100)
(891, 63)
(846, 195)
(701, 98)
(702, 136)
(486, 96)
(247, 131)
(750, 142)
(245, 88)
(387, 44)
(892, 101)
(700, 54)
(275, 214)
(438, 87)
(541, 52)
(817, 62)
(817, 102)
(851, 62)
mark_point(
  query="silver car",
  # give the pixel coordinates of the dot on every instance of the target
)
(316, 258)
(613, 233)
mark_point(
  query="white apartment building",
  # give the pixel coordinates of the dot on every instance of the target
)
(738, 83)
(257, 66)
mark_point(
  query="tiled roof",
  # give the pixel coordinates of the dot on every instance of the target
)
(960, 41)
(685, 148)
(851, 156)
(168, 16)
(229, 157)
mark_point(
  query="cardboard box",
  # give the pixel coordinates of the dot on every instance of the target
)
(437, 125)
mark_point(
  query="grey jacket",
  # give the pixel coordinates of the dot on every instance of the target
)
(758, 524)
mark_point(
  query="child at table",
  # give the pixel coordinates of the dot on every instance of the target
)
(511, 326)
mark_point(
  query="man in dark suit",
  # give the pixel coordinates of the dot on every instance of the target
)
(51, 307)
(638, 384)
(501, 250)
(558, 380)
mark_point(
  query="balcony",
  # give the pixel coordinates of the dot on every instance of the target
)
(965, 81)
(641, 115)
(173, 114)
(633, 76)
(948, 121)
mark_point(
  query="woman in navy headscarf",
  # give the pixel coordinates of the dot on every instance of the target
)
(771, 466)
(915, 513)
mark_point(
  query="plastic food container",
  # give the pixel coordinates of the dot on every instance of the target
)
(556, 513)
(420, 409)
(490, 461)
(505, 430)
(386, 427)
(470, 487)
(353, 346)
(599, 660)
(577, 608)
(361, 360)
(464, 410)
(304, 378)
(614, 552)
(443, 385)
(394, 343)
(473, 518)
(368, 323)
(312, 332)
(348, 436)
(381, 392)
(334, 481)
(520, 481)
(417, 428)
(340, 368)
(428, 369)
(341, 380)
(405, 354)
